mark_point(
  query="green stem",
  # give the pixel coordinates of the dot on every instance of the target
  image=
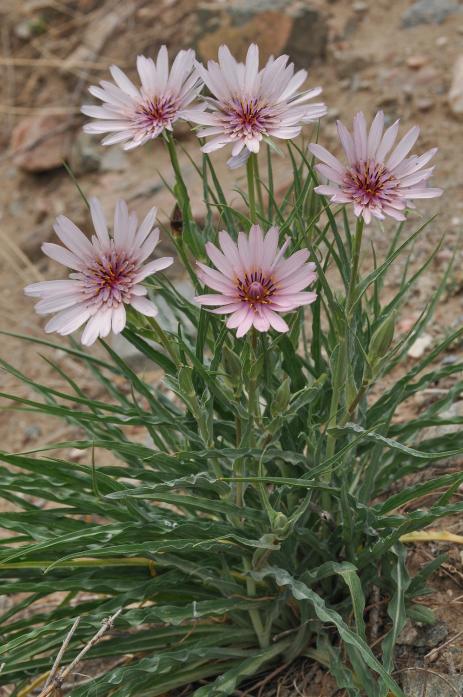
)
(256, 619)
(337, 387)
(164, 340)
(353, 281)
(185, 199)
(250, 171)
(184, 202)
(258, 182)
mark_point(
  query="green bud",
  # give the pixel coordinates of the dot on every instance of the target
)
(232, 364)
(185, 381)
(280, 523)
(281, 400)
(382, 339)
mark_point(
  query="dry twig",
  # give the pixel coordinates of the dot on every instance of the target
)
(60, 655)
(58, 679)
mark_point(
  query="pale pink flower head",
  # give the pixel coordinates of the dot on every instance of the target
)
(133, 115)
(249, 104)
(107, 275)
(254, 281)
(378, 180)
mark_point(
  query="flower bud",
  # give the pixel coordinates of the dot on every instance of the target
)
(381, 339)
(281, 399)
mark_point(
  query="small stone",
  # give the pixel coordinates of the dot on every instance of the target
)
(23, 30)
(417, 62)
(332, 115)
(85, 156)
(114, 160)
(404, 325)
(455, 221)
(360, 7)
(408, 635)
(76, 454)
(429, 12)
(432, 635)
(444, 256)
(36, 151)
(455, 96)
(418, 683)
(419, 346)
(425, 104)
(450, 360)
(441, 41)
(31, 433)
(349, 64)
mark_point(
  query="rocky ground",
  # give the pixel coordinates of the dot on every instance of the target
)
(404, 57)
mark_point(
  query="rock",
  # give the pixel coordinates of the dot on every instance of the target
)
(416, 683)
(425, 104)
(332, 115)
(408, 635)
(455, 96)
(416, 62)
(432, 635)
(422, 637)
(282, 26)
(455, 411)
(360, 7)
(37, 150)
(451, 359)
(85, 154)
(349, 64)
(419, 346)
(441, 41)
(31, 433)
(429, 12)
(114, 159)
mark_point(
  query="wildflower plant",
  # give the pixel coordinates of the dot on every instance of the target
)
(244, 509)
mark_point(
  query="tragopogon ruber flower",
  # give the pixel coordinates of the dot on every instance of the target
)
(249, 104)
(107, 274)
(135, 115)
(375, 180)
(254, 280)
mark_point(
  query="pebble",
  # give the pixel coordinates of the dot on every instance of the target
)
(451, 359)
(419, 346)
(417, 62)
(46, 154)
(424, 104)
(441, 41)
(431, 684)
(332, 115)
(360, 7)
(31, 433)
(455, 95)
(429, 12)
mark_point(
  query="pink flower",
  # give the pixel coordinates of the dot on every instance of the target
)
(135, 115)
(255, 282)
(377, 181)
(249, 104)
(107, 274)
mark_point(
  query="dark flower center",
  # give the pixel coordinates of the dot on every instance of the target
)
(255, 289)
